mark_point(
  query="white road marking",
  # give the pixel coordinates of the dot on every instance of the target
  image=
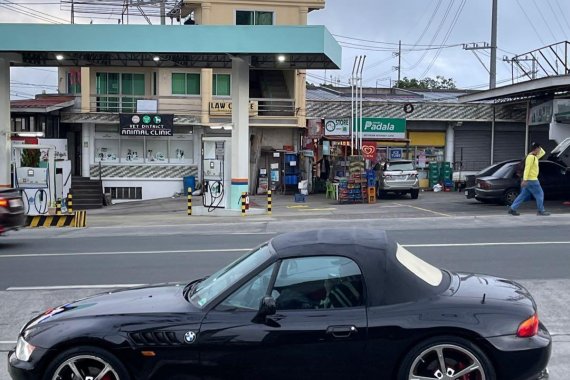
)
(65, 287)
(425, 209)
(8, 342)
(484, 244)
(125, 252)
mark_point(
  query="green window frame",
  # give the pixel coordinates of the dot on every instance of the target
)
(221, 85)
(254, 18)
(118, 84)
(185, 84)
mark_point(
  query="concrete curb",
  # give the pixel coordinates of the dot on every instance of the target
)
(77, 219)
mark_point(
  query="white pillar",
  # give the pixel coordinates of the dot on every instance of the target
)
(449, 143)
(5, 156)
(87, 130)
(240, 130)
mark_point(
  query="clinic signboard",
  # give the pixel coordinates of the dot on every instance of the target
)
(337, 127)
(382, 128)
(146, 124)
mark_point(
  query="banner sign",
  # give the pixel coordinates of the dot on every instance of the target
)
(337, 127)
(369, 150)
(383, 128)
(395, 153)
(146, 124)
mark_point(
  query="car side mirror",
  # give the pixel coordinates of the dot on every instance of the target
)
(267, 307)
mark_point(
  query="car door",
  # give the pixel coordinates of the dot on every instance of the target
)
(319, 329)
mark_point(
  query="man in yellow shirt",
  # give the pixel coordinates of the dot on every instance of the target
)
(530, 184)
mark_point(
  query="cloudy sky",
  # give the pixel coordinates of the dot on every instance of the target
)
(431, 32)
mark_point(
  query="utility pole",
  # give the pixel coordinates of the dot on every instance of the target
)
(162, 12)
(493, 63)
(399, 59)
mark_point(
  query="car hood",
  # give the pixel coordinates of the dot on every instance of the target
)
(162, 298)
(399, 172)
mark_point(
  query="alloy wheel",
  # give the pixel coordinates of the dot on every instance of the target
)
(446, 362)
(85, 367)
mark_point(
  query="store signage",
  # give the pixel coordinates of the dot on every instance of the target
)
(337, 127)
(541, 113)
(382, 128)
(369, 150)
(395, 153)
(224, 108)
(146, 124)
(60, 146)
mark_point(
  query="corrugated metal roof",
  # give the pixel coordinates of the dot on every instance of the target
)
(432, 105)
(46, 102)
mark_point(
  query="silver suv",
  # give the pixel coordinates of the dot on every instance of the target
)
(398, 177)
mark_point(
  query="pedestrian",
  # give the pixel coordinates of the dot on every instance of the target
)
(530, 184)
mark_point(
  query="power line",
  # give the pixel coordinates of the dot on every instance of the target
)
(28, 14)
(530, 22)
(42, 14)
(434, 13)
(564, 34)
(447, 35)
(562, 13)
(544, 19)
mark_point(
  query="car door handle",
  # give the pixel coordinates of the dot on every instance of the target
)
(341, 331)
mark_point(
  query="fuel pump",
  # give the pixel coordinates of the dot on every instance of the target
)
(216, 172)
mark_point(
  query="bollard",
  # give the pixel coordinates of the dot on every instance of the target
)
(189, 201)
(70, 202)
(243, 204)
(58, 207)
(269, 202)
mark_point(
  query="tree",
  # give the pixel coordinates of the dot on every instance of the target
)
(439, 83)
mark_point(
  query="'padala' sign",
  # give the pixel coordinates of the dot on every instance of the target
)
(379, 127)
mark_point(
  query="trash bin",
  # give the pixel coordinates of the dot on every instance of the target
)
(189, 181)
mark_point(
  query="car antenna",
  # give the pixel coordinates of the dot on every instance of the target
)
(483, 300)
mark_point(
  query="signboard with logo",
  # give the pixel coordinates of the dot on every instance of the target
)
(369, 150)
(224, 108)
(383, 128)
(395, 153)
(337, 127)
(146, 124)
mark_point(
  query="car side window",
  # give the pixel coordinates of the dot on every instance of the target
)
(249, 295)
(318, 282)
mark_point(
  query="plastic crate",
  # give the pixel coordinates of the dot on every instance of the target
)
(300, 198)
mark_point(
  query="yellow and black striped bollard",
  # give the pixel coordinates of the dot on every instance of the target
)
(189, 201)
(269, 202)
(243, 204)
(58, 207)
(70, 202)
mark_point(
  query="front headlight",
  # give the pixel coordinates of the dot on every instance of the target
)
(24, 350)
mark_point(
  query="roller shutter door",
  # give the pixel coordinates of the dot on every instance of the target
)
(509, 145)
(473, 148)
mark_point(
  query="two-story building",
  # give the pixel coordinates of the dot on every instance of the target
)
(146, 167)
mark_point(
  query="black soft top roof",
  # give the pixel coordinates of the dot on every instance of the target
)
(387, 281)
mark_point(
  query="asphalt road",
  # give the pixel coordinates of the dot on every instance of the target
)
(42, 269)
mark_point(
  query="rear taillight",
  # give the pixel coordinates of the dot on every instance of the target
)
(529, 327)
(484, 185)
(3, 202)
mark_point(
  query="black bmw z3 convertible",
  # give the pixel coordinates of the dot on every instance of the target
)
(328, 304)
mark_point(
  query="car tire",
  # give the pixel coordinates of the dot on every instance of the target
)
(414, 193)
(458, 353)
(90, 361)
(510, 195)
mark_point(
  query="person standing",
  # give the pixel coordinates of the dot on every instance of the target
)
(530, 184)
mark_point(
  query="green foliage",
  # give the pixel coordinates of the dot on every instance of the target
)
(30, 158)
(439, 83)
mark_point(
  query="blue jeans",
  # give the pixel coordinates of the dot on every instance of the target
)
(532, 188)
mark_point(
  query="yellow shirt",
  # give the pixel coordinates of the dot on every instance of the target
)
(531, 166)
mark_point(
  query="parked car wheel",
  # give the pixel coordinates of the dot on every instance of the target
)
(446, 357)
(510, 195)
(415, 193)
(84, 362)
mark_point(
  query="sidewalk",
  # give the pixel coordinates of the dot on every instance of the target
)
(430, 205)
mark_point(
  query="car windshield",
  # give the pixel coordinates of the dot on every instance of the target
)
(505, 172)
(223, 279)
(420, 268)
(404, 165)
(488, 170)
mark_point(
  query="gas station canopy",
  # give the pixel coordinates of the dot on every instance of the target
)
(199, 46)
